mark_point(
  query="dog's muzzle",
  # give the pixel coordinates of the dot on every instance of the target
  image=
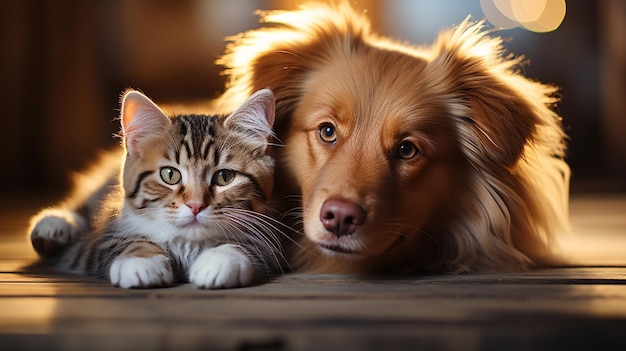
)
(342, 217)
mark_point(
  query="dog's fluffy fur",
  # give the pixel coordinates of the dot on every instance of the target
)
(455, 158)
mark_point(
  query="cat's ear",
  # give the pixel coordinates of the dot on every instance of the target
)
(141, 118)
(255, 116)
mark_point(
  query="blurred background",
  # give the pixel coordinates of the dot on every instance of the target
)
(64, 64)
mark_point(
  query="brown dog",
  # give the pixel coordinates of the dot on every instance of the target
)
(406, 159)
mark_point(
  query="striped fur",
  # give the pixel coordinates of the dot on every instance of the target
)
(192, 204)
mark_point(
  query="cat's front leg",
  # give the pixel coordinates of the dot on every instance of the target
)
(143, 265)
(224, 266)
(53, 230)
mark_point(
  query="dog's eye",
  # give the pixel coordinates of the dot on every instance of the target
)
(407, 150)
(328, 133)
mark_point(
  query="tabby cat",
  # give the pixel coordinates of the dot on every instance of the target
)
(191, 203)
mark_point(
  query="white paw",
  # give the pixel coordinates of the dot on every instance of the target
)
(54, 230)
(221, 267)
(141, 272)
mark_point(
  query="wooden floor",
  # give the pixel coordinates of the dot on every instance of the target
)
(555, 309)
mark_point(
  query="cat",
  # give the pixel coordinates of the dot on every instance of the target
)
(187, 200)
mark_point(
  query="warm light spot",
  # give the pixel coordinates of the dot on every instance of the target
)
(550, 19)
(33, 315)
(528, 10)
(495, 15)
(534, 15)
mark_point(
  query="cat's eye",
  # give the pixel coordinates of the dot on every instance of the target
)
(170, 175)
(223, 177)
(327, 133)
(407, 150)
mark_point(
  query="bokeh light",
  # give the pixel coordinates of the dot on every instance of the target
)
(535, 15)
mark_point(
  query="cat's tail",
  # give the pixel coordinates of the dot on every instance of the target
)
(56, 228)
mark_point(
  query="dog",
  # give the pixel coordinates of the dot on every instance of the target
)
(405, 159)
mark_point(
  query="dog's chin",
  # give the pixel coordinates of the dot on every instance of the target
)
(338, 250)
(353, 248)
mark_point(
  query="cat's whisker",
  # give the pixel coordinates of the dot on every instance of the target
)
(271, 223)
(258, 237)
(260, 228)
(155, 221)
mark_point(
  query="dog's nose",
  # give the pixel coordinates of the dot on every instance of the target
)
(342, 217)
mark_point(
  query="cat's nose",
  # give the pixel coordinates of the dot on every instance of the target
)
(196, 207)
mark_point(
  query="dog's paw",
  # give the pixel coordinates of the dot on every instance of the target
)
(141, 272)
(221, 267)
(54, 230)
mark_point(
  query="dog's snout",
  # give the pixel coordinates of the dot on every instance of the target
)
(342, 217)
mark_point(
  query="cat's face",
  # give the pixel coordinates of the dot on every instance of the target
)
(196, 175)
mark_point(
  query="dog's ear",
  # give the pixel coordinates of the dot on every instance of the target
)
(291, 44)
(497, 107)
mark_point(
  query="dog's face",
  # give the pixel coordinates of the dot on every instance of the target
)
(438, 157)
(374, 152)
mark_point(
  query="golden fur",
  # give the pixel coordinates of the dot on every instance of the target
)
(487, 187)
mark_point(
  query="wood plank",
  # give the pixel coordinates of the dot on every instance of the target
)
(562, 308)
(235, 320)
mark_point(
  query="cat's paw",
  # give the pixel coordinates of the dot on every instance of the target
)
(53, 230)
(141, 272)
(221, 267)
